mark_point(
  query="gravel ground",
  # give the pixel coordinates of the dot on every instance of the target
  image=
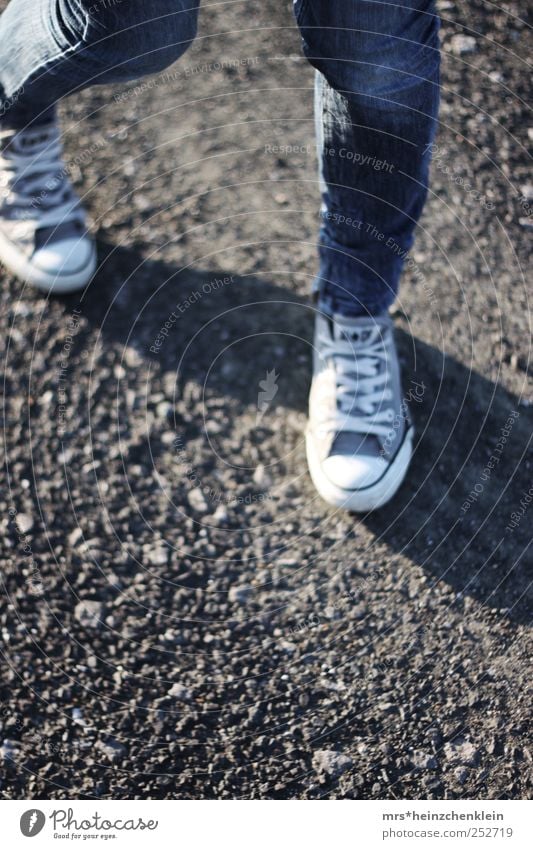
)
(181, 616)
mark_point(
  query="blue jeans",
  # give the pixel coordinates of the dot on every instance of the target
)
(377, 92)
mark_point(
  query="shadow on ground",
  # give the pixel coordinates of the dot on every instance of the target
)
(453, 515)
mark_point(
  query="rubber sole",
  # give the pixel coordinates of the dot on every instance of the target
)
(371, 497)
(58, 284)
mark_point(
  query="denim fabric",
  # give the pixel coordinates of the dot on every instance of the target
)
(377, 91)
(52, 48)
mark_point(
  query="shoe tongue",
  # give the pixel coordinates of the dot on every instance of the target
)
(27, 141)
(358, 330)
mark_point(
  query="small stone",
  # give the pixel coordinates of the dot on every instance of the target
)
(220, 515)
(526, 222)
(330, 762)
(75, 536)
(239, 595)
(461, 752)
(89, 613)
(24, 522)
(158, 556)
(460, 774)
(77, 716)
(423, 760)
(132, 357)
(163, 410)
(261, 477)
(461, 44)
(179, 692)
(197, 500)
(111, 748)
(526, 190)
(8, 750)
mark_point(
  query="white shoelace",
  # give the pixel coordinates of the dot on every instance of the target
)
(34, 185)
(359, 386)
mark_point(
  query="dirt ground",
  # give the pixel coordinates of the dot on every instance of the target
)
(181, 616)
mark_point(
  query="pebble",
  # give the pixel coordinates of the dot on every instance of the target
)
(331, 762)
(461, 752)
(462, 44)
(261, 477)
(196, 499)
(77, 716)
(111, 748)
(423, 760)
(460, 774)
(89, 614)
(75, 536)
(163, 410)
(132, 357)
(179, 692)
(220, 515)
(25, 522)
(158, 556)
(239, 595)
(8, 750)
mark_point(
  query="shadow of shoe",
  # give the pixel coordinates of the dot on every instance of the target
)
(471, 468)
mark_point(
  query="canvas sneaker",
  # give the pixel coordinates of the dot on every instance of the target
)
(43, 235)
(359, 437)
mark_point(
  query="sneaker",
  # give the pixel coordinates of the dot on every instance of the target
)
(359, 437)
(43, 236)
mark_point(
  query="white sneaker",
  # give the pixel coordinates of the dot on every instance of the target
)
(359, 437)
(43, 236)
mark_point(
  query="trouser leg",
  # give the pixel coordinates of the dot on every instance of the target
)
(376, 105)
(51, 48)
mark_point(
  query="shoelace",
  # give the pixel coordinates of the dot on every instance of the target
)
(34, 185)
(361, 378)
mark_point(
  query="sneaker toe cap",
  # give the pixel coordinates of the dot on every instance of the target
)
(64, 257)
(353, 472)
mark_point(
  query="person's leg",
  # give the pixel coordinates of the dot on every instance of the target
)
(376, 101)
(51, 48)
(377, 95)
